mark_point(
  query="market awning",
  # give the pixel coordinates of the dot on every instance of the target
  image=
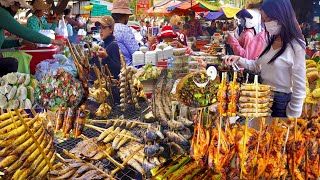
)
(160, 8)
(87, 8)
(195, 5)
(100, 8)
(213, 15)
(230, 10)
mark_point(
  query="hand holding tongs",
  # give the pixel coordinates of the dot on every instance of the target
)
(235, 67)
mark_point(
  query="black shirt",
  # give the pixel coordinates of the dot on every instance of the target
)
(211, 31)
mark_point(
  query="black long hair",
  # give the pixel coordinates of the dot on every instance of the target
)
(282, 11)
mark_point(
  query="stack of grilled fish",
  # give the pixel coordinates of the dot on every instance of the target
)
(91, 149)
(128, 92)
(162, 97)
(79, 169)
(139, 161)
(117, 136)
(22, 157)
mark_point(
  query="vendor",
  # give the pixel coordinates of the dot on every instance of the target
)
(196, 29)
(37, 21)
(212, 28)
(168, 36)
(122, 32)
(282, 63)
(175, 22)
(8, 23)
(75, 26)
(109, 52)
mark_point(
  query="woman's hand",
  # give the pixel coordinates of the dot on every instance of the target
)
(201, 62)
(102, 53)
(229, 60)
(58, 42)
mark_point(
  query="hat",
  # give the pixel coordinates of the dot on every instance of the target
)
(40, 5)
(121, 7)
(243, 14)
(255, 20)
(8, 3)
(105, 21)
(167, 31)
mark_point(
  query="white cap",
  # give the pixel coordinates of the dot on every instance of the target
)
(256, 18)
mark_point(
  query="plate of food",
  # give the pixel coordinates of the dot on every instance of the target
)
(193, 95)
(59, 89)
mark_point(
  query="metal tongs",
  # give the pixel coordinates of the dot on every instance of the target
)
(235, 67)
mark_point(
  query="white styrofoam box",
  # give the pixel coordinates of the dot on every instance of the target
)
(138, 58)
(168, 51)
(159, 54)
(48, 33)
(151, 58)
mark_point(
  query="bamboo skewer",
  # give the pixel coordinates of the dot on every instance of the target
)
(262, 122)
(219, 141)
(121, 120)
(34, 139)
(125, 162)
(13, 120)
(102, 129)
(244, 147)
(108, 156)
(294, 153)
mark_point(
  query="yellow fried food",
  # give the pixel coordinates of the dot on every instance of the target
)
(253, 100)
(252, 87)
(39, 134)
(255, 114)
(254, 110)
(41, 166)
(254, 94)
(9, 121)
(7, 161)
(253, 105)
(17, 132)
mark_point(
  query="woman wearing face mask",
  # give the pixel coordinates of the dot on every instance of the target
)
(37, 22)
(249, 45)
(282, 63)
(109, 52)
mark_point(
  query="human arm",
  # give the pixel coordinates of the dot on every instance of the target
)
(9, 24)
(298, 77)
(253, 49)
(245, 63)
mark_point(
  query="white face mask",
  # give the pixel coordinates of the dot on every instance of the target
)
(273, 27)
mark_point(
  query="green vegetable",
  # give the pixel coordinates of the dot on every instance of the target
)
(175, 167)
(197, 95)
(190, 176)
(165, 166)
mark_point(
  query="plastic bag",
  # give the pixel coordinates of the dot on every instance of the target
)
(62, 29)
(51, 65)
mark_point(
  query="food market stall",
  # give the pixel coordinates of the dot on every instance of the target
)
(193, 124)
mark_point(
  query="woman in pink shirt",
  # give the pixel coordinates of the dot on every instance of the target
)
(250, 45)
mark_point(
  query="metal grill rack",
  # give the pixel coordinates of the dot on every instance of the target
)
(128, 172)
